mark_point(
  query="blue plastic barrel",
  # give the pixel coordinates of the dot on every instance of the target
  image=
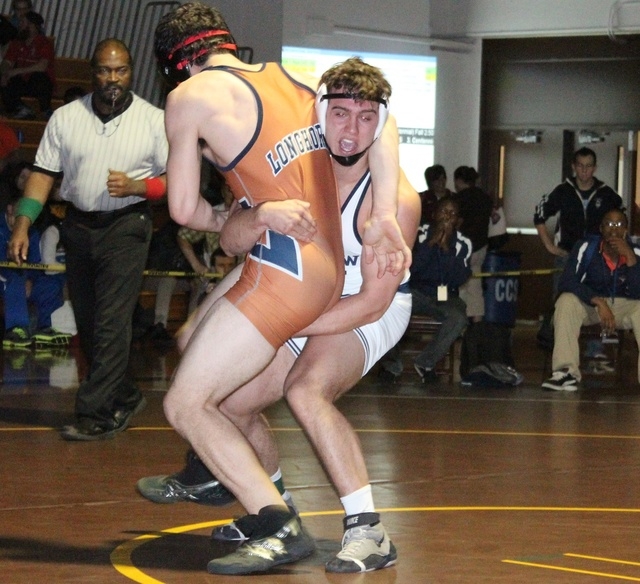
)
(501, 292)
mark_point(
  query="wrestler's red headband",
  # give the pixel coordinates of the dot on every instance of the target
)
(192, 39)
(175, 70)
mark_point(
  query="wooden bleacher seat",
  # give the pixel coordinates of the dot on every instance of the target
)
(77, 70)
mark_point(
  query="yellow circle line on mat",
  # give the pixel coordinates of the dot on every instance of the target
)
(512, 433)
(121, 556)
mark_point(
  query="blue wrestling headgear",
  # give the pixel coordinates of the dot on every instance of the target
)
(322, 105)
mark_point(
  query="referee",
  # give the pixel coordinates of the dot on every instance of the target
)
(111, 150)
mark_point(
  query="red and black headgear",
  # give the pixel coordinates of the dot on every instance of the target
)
(174, 68)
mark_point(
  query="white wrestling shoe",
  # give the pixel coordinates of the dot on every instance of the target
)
(365, 546)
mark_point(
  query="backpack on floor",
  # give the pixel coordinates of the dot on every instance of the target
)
(492, 375)
(484, 343)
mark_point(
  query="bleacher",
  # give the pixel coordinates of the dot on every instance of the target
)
(69, 73)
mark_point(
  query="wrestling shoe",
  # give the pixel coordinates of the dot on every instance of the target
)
(193, 483)
(365, 546)
(240, 529)
(277, 538)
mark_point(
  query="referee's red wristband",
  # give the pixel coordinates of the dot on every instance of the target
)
(156, 188)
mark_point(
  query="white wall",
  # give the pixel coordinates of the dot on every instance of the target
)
(511, 18)
(458, 109)
(400, 27)
(410, 26)
(255, 23)
(343, 23)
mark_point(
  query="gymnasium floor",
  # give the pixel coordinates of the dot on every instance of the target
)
(508, 486)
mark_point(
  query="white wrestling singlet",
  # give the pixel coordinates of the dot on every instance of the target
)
(378, 337)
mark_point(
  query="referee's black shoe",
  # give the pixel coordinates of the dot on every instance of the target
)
(90, 430)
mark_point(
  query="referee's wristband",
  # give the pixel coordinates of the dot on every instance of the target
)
(155, 188)
(28, 207)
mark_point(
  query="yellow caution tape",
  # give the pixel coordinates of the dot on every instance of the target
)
(158, 273)
(543, 272)
(218, 275)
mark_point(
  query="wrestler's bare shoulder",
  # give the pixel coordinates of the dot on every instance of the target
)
(210, 92)
(216, 107)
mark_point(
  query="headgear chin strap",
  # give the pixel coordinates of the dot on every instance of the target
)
(322, 105)
(175, 70)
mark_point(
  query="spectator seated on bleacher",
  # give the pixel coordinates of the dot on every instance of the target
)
(440, 266)
(46, 293)
(9, 25)
(28, 69)
(599, 285)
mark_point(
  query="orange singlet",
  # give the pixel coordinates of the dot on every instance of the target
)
(285, 285)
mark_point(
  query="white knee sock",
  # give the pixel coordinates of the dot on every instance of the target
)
(360, 501)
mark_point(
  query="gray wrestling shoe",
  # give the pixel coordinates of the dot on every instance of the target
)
(365, 546)
(277, 538)
(193, 483)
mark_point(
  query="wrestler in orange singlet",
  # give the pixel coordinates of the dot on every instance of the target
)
(284, 159)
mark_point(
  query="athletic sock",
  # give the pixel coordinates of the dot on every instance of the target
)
(288, 499)
(270, 519)
(276, 479)
(360, 501)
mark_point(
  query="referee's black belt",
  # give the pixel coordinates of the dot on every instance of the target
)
(96, 219)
